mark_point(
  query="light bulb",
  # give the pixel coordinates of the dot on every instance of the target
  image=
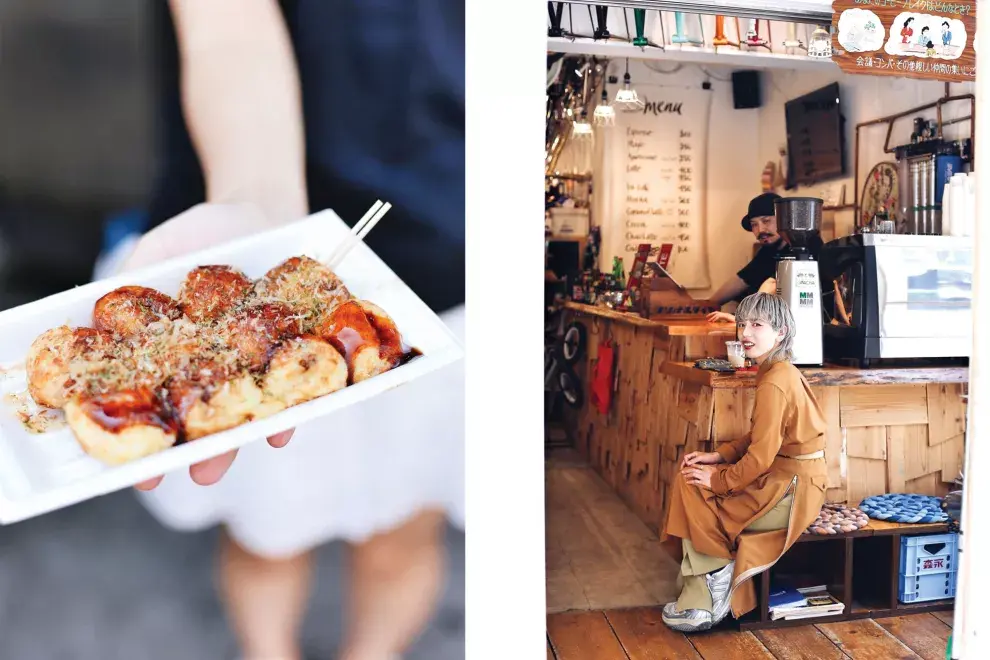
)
(605, 115)
(627, 97)
(582, 129)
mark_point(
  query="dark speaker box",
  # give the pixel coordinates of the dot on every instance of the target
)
(747, 90)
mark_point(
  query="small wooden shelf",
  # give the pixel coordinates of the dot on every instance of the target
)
(861, 569)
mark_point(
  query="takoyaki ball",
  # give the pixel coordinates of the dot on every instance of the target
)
(388, 334)
(306, 285)
(121, 426)
(208, 292)
(58, 358)
(167, 348)
(348, 328)
(252, 333)
(301, 369)
(130, 309)
(213, 398)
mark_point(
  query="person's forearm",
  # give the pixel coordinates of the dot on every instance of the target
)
(728, 291)
(241, 100)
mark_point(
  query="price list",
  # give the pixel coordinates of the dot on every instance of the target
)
(660, 189)
(655, 180)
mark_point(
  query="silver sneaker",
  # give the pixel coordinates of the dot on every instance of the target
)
(719, 585)
(686, 621)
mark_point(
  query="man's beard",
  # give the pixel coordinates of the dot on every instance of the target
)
(765, 238)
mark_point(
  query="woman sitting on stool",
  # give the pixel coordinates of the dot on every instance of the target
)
(771, 481)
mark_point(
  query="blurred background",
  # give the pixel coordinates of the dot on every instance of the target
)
(103, 580)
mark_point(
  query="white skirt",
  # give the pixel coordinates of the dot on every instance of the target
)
(348, 476)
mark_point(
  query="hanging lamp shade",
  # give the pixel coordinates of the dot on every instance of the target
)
(627, 98)
(820, 44)
(640, 17)
(604, 113)
(601, 32)
(582, 129)
(556, 10)
(720, 39)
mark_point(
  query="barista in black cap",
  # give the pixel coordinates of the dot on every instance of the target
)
(761, 220)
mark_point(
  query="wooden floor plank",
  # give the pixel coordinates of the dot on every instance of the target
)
(801, 643)
(865, 640)
(729, 645)
(583, 636)
(947, 617)
(644, 635)
(599, 555)
(922, 633)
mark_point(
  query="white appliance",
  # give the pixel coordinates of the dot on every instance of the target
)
(798, 222)
(898, 296)
(798, 284)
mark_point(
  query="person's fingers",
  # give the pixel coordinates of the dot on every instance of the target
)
(211, 470)
(280, 440)
(150, 484)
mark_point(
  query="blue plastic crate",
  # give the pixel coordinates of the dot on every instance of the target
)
(928, 567)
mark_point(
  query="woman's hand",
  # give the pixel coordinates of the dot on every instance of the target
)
(701, 458)
(198, 228)
(721, 317)
(699, 475)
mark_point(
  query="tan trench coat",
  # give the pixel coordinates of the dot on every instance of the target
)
(759, 471)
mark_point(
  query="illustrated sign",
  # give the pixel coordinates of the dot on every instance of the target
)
(928, 39)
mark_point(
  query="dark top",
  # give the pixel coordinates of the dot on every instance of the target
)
(764, 265)
(383, 102)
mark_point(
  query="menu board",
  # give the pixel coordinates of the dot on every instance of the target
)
(655, 183)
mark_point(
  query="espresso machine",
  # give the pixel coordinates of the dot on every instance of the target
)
(896, 296)
(799, 220)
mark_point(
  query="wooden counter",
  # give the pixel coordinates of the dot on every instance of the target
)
(890, 430)
(827, 376)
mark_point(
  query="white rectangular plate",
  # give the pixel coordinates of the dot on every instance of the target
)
(41, 472)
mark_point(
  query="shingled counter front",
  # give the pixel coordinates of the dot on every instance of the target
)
(891, 430)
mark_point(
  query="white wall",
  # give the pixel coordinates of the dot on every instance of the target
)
(742, 141)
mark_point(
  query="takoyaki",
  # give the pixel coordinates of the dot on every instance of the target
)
(307, 286)
(121, 426)
(59, 358)
(208, 292)
(130, 309)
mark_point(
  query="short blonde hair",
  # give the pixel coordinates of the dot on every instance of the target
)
(770, 309)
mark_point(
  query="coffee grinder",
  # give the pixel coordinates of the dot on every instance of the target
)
(799, 221)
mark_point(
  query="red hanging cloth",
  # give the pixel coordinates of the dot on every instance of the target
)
(601, 384)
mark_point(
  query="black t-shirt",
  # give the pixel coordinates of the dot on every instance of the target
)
(764, 265)
(383, 99)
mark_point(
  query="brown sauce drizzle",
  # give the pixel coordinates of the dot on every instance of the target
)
(409, 356)
(119, 411)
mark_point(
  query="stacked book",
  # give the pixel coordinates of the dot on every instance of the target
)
(803, 603)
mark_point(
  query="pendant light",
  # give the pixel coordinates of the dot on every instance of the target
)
(820, 44)
(556, 10)
(601, 32)
(792, 42)
(640, 17)
(604, 113)
(720, 39)
(627, 98)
